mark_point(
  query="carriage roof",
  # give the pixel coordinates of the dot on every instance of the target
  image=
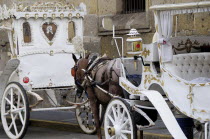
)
(189, 7)
(59, 14)
(41, 10)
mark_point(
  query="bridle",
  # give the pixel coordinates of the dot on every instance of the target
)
(80, 85)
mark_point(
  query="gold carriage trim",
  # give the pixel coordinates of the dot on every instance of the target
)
(145, 53)
(163, 70)
(179, 108)
(147, 69)
(202, 84)
(129, 89)
(78, 15)
(190, 97)
(184, 112)
(170, 75)
(203, 111)
(160, 60)
(190, 89)
(194, 110)
(158, 46)
(166, 94)
(199, 118)
(178, 80)
(150, 78)
(184, 82)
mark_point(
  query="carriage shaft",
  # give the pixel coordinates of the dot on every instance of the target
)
(55, 108)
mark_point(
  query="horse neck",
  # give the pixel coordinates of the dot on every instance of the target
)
(115, 67)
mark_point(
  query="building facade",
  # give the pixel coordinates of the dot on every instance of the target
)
(128, 14)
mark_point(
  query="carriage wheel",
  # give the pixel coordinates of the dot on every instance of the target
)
(84, 115)
(118, 121)
(15, 111)
(199, 131)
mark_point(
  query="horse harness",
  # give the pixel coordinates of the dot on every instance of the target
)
(91, 71)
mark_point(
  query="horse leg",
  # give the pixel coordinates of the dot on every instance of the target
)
(102, 114)
(95, 109)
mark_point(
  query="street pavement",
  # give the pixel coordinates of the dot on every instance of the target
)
(63, 125)
(46, 133)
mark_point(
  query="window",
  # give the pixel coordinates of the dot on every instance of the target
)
(71, 31)
(134, 6)
(26, 32)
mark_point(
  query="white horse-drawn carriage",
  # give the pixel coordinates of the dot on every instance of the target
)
(38, 57)
(180, 81)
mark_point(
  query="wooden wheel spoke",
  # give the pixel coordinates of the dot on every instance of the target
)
(21, 118)
(113, 137)
(11, 104)
(123, 125)
(122, 116)
(114, 113)
(111, 119)
(124, 136)
(126, 131)
(11, 95)
(118, 110)
(10, 126)
(18, 110)
(18, 103)
(14, 124)
(7, 113)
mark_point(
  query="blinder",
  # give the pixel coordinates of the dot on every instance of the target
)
(80, 86)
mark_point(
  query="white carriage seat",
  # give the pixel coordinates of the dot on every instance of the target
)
(191, 66)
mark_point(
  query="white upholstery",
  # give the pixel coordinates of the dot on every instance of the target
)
(190, 66)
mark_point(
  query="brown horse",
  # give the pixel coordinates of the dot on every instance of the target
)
(105, 73)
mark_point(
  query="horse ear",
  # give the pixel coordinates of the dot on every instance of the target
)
(87, 56)
(75, 58)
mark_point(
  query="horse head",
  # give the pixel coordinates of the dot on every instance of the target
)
(78, 72)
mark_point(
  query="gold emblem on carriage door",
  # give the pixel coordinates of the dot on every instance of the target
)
(49, 30)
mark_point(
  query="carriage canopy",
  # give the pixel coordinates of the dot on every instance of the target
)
(164, 22)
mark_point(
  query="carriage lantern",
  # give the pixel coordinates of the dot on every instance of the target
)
(134, 43)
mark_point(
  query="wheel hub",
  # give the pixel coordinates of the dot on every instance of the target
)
(111, 131)
(117, 130)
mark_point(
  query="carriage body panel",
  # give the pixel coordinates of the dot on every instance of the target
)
(47, 70)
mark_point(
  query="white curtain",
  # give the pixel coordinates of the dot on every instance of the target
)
(164, 27)
(164, 21)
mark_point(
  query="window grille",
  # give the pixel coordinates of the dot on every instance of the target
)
(134, 6)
